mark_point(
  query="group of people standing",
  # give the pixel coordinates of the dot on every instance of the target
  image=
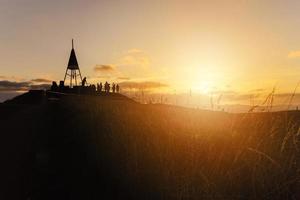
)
(115, 88)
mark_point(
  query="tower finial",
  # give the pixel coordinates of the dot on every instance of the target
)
(72, 44)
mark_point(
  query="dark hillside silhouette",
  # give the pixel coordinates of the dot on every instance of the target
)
(88, 147)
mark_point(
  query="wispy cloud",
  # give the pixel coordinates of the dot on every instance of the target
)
(104, 77)
(123, 78)
(224, 92)
(134, 58)
(41, 80)
(40, 86)
(258, 90)
(6, 86)
(13, 86)
(132, 61)
(104, 68)
(294, 54)
(142, 85)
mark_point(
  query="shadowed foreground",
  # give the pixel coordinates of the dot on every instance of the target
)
(98, 148)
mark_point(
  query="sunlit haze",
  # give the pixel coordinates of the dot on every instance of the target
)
(238, 49)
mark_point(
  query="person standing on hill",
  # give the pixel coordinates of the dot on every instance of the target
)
(113, 88)
(83, 81)
(93, 88)
(100, 87)
(118, 88)
(106, 86)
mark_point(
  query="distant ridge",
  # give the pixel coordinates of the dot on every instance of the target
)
(39, 96)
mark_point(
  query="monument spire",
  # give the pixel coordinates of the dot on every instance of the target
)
(73, 68)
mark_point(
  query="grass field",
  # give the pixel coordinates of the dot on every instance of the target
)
(97, 148)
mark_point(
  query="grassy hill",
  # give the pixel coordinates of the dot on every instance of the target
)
(96, 147)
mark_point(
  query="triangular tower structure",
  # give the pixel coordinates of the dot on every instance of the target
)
(73, 70)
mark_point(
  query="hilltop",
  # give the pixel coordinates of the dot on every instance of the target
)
(110, 147)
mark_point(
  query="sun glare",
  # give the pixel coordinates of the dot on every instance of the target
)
(205, 79)
(205, 87)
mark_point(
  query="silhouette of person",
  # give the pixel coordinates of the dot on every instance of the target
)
(54, 86)
(83, 81)
(106, 87)
(113, 88)
(100, 87)
(118, 88)
(61, 84)
(93, 88)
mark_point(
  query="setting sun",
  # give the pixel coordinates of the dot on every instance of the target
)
(205, 87)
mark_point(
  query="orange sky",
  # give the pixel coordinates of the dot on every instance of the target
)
(210, 47)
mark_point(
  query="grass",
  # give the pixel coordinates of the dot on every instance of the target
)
(88, 148)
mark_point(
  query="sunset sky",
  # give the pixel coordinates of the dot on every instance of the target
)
(209, 47)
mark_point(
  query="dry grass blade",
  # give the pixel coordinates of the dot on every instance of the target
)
(265, 156)
(292, 96)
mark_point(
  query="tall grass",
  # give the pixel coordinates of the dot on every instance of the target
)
(166, 152)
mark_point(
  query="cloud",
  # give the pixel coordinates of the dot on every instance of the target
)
(294, 54)
(142, 85)
(134, 51)
(243, 97)
(295, 97)
(40, 87)
(258, 90)
(104, 68)
(132, 61)
(123, 78)
(41, 80)
(135, 58)
(14, 86)
(104, 77)
(260, 97)
(224, 92)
